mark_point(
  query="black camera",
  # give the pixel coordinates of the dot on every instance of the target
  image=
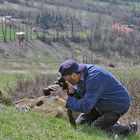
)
(60, 81)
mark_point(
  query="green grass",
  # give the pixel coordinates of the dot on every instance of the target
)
(10, 79)
(16, 125)
(6, 78)
(12, 32)
(8, 32)
(127, 72)
(36, 57)
(36, 54)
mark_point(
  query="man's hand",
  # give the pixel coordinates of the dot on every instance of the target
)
(57, 90)
(71, 88)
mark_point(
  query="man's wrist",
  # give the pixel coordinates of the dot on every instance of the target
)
(65, 98)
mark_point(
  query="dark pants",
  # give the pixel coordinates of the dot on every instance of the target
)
(106, 121)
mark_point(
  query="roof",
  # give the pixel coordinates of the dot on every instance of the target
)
(122, 27)
(20, 33)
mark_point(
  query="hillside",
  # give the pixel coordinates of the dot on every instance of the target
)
(38, 52)
(84, 24)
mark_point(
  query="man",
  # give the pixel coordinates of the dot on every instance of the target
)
(103, 99)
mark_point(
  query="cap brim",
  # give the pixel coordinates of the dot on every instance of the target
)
(81, 67)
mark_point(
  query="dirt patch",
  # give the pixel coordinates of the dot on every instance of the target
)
(51, 105)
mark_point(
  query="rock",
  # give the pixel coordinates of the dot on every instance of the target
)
(51, 105)
(23, 108)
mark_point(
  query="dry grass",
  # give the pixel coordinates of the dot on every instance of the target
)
(133, 86)
(30, 88)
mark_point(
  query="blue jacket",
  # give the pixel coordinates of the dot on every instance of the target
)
(100, 89)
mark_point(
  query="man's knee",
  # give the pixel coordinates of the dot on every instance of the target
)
(106, 120)
(88, 118)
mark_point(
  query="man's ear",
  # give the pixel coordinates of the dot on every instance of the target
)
(72, 75)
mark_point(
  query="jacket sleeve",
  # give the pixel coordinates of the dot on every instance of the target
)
(95, 87)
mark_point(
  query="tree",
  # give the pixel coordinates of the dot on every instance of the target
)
(90, 37)
(1, 1)
(59, 23)
(73, 21)
(4, 30)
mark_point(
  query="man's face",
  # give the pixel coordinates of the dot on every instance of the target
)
(73, 78)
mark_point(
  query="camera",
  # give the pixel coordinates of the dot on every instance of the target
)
(60, 81)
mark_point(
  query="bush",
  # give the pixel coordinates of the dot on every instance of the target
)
(7, 101)
(44, 39)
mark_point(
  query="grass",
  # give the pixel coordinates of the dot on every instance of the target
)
(6, 78)
(34, 126)
(15, 6)
(33, 52)
(35, 57)
(12, 33)
(10, 79)
(8, 32)
(95, 2)
(127, 72)
(16, 125)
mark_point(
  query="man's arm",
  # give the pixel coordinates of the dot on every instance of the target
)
(94, 89)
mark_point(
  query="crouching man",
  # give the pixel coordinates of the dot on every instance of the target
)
(103, 99)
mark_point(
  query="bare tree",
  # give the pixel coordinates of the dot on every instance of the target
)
(91, 31)
(58, 23)
(72, 17)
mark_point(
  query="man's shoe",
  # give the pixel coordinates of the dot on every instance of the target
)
(133, 127)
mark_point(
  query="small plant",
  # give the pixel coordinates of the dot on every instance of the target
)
(7, 101)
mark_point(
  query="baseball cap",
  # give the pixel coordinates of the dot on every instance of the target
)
(70, 66)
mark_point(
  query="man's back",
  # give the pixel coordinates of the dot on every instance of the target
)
(110, 94)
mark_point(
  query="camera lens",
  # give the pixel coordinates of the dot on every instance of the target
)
(47, 91)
